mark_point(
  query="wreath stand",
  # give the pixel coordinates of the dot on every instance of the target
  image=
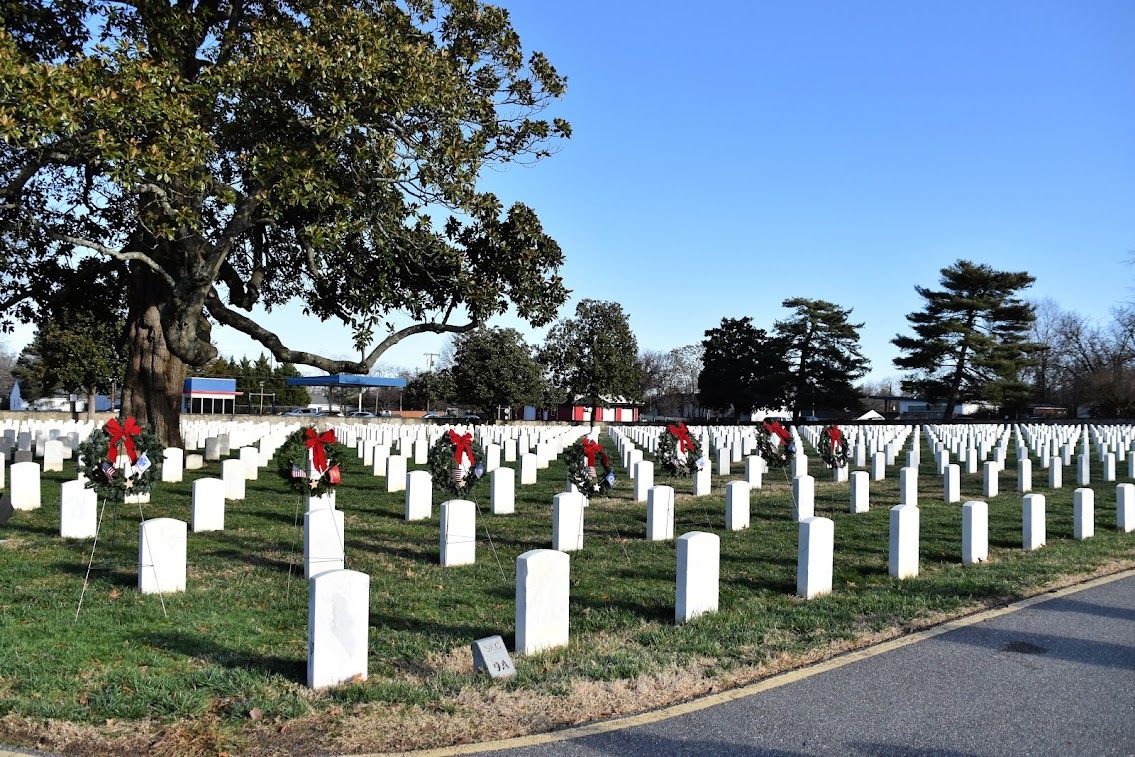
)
(112, 464)
(449, 473)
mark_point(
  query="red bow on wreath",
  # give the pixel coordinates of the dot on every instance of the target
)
(124, 433)
(592, 448)
(462, 445)
(315, 442)
(835, 435)
(774, 427)
(682, 434)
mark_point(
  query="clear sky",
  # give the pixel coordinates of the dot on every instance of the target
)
(728, 155)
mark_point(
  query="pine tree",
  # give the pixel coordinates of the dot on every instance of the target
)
(970, 338)
(822, 349)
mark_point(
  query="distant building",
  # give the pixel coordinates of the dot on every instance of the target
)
(209, 395)
(613, 410)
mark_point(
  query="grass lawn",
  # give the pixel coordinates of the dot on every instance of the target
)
(224, 670)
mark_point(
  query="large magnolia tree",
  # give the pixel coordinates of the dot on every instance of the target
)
(238, 154)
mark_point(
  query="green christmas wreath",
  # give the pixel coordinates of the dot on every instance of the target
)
(581, 458)
(325, 453)
(833, 447)
(101, 454)
(456, 463)
(678, 451)
(775, 446)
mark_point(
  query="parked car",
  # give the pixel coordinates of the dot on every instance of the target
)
(361, 414)
(305, 412)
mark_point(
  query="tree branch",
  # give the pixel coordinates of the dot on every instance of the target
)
(246, 325)
(102, 249)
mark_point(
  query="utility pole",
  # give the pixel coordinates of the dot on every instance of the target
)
(431, 356)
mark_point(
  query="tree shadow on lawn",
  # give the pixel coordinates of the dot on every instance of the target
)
(203, 647)
(107, 570)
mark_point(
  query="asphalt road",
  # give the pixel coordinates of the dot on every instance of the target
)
(1056, 678)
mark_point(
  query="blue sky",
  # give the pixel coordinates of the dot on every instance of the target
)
(728, 155)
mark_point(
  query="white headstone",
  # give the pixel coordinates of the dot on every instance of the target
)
(161, 555)
(1109, 467)
(173, 465)
(1033, 526)
(492, 457)
(803, 497)
(1125, 507)
(878, 466)
(502, 491)
(53, 455)
(542, 586)
(754, 468)
(990, 473)
(699, 569)
(903, 553)
(1084, 470)
(702, 481)
(458, 533)
(1084, 514)
(952, 484)
(567, 521)
(1024, 475)
(322, 541)
(815, 552)
(338, 627)
(736, 505)
(643, 479)
(395, 473)
(975, 532)
(908, 486)
(419, 495)
(1055, 473)
(250, 459)
(24, 486)
(194, 462)
(421, 452)
(232, 473)
(660, 513)
(78, 511)
(207, 511)
(212, 449)
(860, 496)
(528, 466)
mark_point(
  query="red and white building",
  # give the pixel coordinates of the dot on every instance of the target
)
(613, 410)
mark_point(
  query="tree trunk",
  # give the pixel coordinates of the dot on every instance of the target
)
(92, 393)
(155, 377)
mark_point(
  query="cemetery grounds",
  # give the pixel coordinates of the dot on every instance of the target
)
(223, 667)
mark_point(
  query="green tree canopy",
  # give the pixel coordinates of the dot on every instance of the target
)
(494, 368)
(78, 344)
(822, 349)
(593, 355)
(236, 155)
(430, 390)
(742, 368)
(971, 337)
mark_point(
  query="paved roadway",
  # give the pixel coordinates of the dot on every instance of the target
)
(1055, 678)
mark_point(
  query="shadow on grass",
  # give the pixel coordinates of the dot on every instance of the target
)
(208, 649)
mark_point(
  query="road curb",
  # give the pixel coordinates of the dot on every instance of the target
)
(782, 679)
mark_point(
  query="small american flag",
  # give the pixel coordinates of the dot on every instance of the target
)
(298, 472)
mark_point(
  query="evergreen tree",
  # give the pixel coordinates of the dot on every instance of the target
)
(494, 368)
(970, 338)
(742, 368)
(593, 356)
(822, 350)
